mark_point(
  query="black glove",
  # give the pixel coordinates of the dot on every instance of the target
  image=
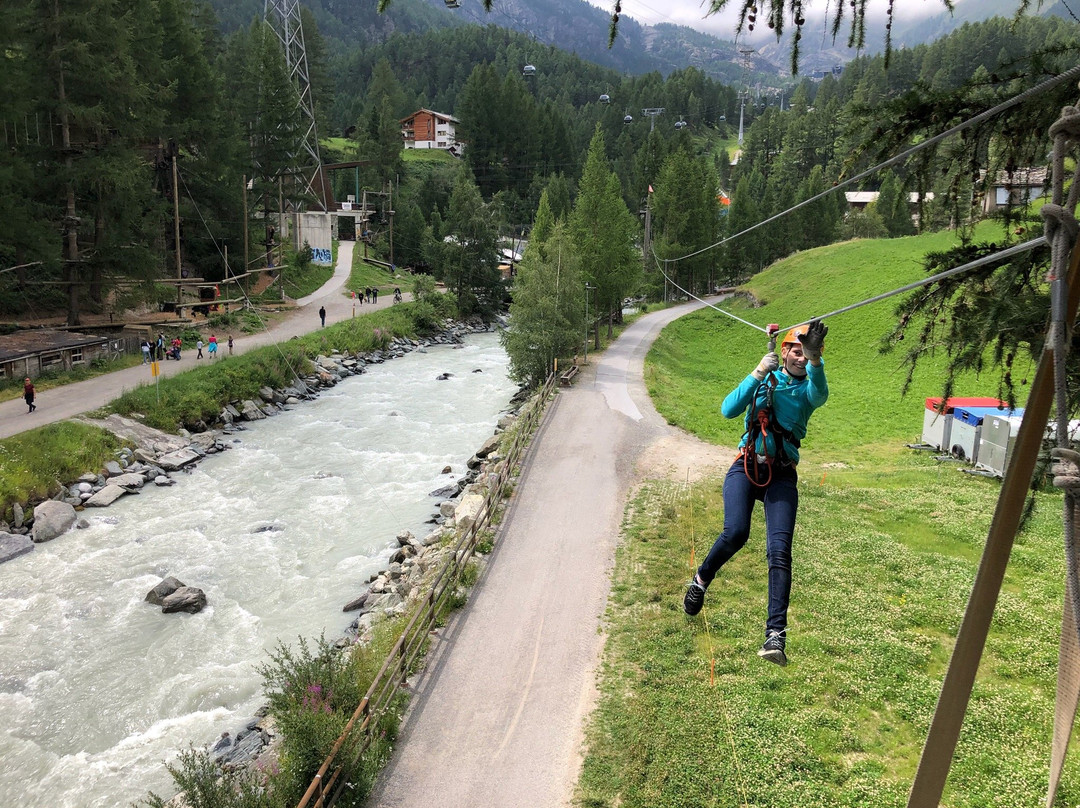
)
(813, 341)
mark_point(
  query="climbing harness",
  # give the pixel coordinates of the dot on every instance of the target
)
(762, 423)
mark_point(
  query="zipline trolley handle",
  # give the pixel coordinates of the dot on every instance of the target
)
(772, 329)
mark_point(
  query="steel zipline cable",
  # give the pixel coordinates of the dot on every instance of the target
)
(1001, 255)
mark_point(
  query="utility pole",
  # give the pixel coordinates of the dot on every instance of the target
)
(244, 184)
(647, 243)
(176, 233)
(281, 236)
(588, 287)
(390, 213)
(364, 221)
(652, 112)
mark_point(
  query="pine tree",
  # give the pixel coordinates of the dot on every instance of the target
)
(543, 223)
(601, 228)
(546, 315)
(468, 262)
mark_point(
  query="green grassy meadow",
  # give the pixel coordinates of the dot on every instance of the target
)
(427, 156)
(885, 554)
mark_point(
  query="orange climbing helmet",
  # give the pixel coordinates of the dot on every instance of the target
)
(792, 336)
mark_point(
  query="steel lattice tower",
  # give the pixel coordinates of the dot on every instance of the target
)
(283, 16)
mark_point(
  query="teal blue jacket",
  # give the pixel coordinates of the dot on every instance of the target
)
(794, 400)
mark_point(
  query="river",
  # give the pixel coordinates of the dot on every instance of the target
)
(98, 688)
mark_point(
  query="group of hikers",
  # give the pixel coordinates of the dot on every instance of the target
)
(171, 349)
(370, 294)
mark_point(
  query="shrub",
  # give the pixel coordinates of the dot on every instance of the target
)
(425, 316)
(205, 784)
(312, 693)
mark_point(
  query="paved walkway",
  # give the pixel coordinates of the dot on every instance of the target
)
(70, 400)
(497, 715)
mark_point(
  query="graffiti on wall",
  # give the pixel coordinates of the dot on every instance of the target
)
(321, 255)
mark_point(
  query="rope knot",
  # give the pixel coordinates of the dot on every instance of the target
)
(1068, 124)
(1066, 469)
(1056, 217)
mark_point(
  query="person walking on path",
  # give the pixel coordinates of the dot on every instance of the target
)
(374, 294)
(28, 395)
(322, 315)
(778, 404)
(230, 344)
(145, 347)
(212, 346)
(198, 347)
(161, 347)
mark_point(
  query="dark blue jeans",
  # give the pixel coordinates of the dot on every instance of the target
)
(781, 502)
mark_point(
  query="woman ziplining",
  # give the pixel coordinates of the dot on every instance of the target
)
(778, 397)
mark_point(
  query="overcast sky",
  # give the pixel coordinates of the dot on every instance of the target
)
(692, 13)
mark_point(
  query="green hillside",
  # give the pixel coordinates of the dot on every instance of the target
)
(885, 553)
(701, 357)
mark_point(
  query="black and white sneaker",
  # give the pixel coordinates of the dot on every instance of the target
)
(695, 597)
(773, 649)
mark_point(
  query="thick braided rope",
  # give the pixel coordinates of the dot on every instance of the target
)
(1060, 228)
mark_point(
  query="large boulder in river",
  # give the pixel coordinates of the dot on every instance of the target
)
(51, 518)
(128, 480)
(490, 445)
(164, 588)
(250, 411)
(12, 546)
(185, 599)
(176, 460)
(106, 496)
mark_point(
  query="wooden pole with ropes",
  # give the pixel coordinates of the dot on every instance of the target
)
(937, 754)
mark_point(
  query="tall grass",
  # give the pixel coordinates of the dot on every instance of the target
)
(35, 464)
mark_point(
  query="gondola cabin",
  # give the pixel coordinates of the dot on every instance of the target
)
(528, 70)
(605, 99)
(629, 119)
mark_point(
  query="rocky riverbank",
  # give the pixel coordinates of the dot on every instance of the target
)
(156, 457)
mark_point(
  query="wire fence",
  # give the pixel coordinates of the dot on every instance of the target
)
(364, 725)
